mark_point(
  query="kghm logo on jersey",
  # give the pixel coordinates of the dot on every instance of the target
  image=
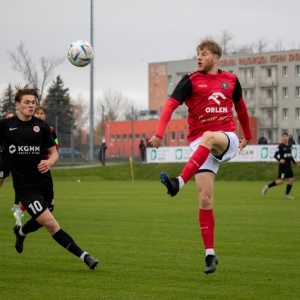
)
(24, 149)
(36, 128)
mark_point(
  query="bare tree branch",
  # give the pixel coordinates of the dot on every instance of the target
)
(48, 65)
(115, 104)
(23, 64)
(278, 45)
(224, 42)
(261, 45)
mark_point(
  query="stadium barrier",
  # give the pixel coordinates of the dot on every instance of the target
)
(251, 153)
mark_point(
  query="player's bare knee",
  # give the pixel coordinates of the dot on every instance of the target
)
(207, 139)
(51, 225)
(205, 201)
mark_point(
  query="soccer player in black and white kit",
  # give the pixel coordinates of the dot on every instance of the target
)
(284, 155)
(25, 137)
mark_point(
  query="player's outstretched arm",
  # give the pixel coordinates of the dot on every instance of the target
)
(164, 119)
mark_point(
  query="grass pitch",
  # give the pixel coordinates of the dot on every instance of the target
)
(149, 244)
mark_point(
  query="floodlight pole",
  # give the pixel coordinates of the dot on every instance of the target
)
(92, 93)
(272, 116)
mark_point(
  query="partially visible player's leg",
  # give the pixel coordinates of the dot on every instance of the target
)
(205, 182)
(64, 239)
(18, 211)
(215, 142)
(289, 188)
(210, 144)
(37, 207)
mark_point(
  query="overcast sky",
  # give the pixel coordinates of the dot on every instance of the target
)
(130, 34)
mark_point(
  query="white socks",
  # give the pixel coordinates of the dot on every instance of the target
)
(181, 182)
(209, 251)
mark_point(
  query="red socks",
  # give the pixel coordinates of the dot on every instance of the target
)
(195, 162)
(207, 226)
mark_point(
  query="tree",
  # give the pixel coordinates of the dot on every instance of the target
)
(7, 102)
(23, 63)
(224, 42)
(278, 45)
(261, 45)
(115, 105)
(244, 49)
(60, 111)
(81, 117)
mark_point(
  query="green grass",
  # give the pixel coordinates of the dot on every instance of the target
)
(149, 244)
(228, 171)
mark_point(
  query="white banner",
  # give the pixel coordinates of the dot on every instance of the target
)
(248, 154)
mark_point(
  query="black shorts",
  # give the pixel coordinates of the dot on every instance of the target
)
(285, 173)
(36, 203)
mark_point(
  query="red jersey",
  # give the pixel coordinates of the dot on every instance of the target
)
(209, 98)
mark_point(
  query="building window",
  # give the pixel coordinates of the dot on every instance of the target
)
(181, 136)
(269, 72)
(173, 136)
(298, 91)
(118, 137)
(252, 73)
(245, 94)
(297, 110)
(270, 94)
(137, 136)
(298, 70)
(170, 80)
(285, 113)
(112, 137)
(179, 76)
(245, 74)
(251, 94)
(285, 93)
(284, 131)
(285, 72)
(252, 113)
(124, 137)
(130, 137)
(143, 136)
(269, 114)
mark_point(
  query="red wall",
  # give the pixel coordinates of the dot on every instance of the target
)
(122, 146)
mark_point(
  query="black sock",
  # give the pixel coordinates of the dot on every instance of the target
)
(31, 226)
(62, 238)
(288, 189)
(272, 184)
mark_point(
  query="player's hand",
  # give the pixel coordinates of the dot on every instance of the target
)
(44, 166)
(155, 141)
(1, 181)
(243, 143)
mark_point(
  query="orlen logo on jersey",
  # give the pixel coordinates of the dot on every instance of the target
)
(215, 97)
(24, 149)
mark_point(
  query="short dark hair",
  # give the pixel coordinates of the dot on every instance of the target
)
(26, 90)
(285, 133)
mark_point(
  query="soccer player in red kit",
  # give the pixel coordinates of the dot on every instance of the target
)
(209, 94)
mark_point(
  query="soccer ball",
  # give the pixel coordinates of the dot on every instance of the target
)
(80, 53)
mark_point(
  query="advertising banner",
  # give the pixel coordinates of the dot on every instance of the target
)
(249, 154)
